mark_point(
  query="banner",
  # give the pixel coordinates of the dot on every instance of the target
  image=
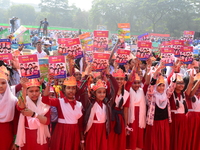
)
(140, 37)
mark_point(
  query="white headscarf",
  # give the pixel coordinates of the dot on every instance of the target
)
(7, 105)
(33, 123)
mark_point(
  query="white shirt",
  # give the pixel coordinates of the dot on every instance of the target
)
(41, 55)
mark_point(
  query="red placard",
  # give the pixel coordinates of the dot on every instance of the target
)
(177, 42)
(122, 56)
(7, 56)
(57, 66)
(29, 66)
(143, 44)
(100, 61)
(186, 54)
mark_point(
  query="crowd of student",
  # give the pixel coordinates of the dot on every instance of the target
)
(141, 105)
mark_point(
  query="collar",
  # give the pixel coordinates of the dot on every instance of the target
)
(100, 103)
(69, 101)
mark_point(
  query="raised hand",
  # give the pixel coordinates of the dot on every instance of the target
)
(24, 81)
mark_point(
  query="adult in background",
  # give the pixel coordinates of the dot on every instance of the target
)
(12, 22)
(46, 24)
(40, 53)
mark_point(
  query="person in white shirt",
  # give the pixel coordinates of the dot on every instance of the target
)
(40, 53)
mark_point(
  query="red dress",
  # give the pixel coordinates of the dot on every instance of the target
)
(8, 130)
(31, 136)
(118, 141)
(96, 136)
(159, 130)
(135, 140)
(193, 117)
(65, 136)
(178, 127)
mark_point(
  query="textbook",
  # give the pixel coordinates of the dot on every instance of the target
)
(57, 66)
(25, 38)
(44, 66)
(19, 32)
(167, 55)
(74, 48)
(124, 31)
(186, 54)
(188, 36)
(62, 45)
(86, 41)
(5, 46)
(6, 58)
(100, 61)
(143, 50)
(100, 42)
(122, 56)
(29, 66)
(177, 44)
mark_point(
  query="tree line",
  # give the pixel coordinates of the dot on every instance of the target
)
(158, 16)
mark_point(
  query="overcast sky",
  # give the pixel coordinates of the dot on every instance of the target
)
(83, 4)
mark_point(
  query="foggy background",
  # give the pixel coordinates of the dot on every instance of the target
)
(157, 16)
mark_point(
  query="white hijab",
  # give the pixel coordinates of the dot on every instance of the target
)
(7, 105)
(160, 98)
(33, 123)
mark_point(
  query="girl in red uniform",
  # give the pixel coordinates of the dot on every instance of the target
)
(193, 118)
(66, 135)
(97, 116)
(157, 135)
(180, 103)
(117, 136)
(7, 111)
(96, 119)
(136, 115)
(33, 132)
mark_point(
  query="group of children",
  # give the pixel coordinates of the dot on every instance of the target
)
(135, 107)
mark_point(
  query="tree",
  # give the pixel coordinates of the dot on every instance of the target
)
(59, 12)
(24, 12)
(4, 4)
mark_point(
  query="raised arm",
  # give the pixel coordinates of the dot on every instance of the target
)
(172, 86)
(148, 74)
(195, 88)
(190, 84)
